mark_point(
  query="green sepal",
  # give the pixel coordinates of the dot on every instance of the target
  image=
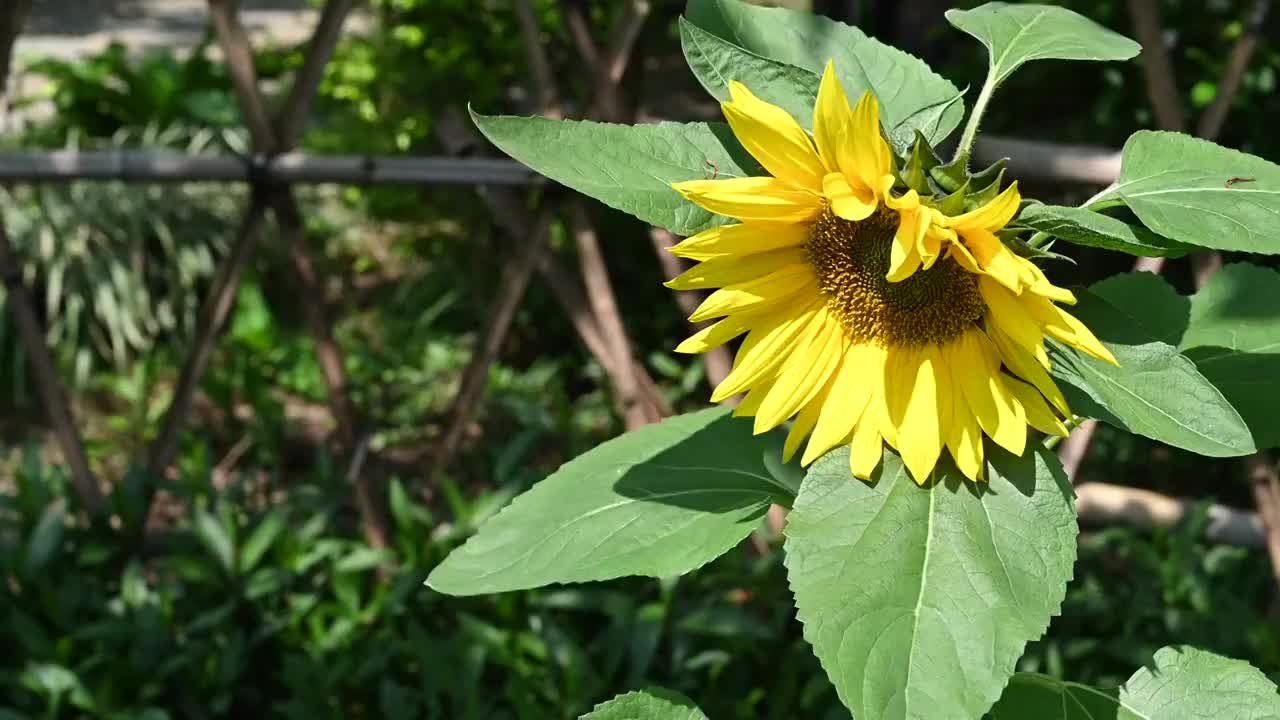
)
(960, 191)
(915, 168)
(951, 176)
(986, 184)
(1009, 236)
(953, 204)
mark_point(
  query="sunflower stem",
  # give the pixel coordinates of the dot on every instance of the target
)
(975, 117)
(1101, 201)
(1038, 240)
(1071, 423)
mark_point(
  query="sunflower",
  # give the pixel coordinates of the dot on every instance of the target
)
(870, 315)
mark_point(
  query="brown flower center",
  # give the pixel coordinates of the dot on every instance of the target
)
(850, 259)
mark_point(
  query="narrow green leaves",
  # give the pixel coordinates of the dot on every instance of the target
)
(1031, 695)
(715, 62)
(912, 97)
(650, 704)
(1199, 193)
(658, 501)
(625, 167)
(1085, 227)
(919, 599)
(1185, 683)
(1016, 34)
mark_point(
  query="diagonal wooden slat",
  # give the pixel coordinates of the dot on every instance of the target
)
(53, 395)
(269, 137)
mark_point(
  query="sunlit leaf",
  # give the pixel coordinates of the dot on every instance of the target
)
(661, 500)
(916, 599)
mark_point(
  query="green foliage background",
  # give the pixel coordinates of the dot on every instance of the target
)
(258, 596)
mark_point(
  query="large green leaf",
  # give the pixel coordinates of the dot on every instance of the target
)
(1199, 193)
(912, 96)
(661, 500)
(1085, 227)
(1015, 34)
(630, 168)
(1230, 330)
(1233, 337)
(1031, 695)
(1133, 309)
(650, 704)
(1157, 393)
(1185, 683)
(715, 61)
(917, 599)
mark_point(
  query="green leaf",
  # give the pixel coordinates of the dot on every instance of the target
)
(214, 537)
(1031, 695)
(1228, 330)
(1085, 227)
(262, 538)
(658, 501)
(1015, 34)
(651, 704)
(1133, 309)
(1199, 193)
(715, 62)
(1233, 337)
(1185, 683)
(630, 168)
(916, 598)
(1157, 393)
(912, 97)
(45, 538)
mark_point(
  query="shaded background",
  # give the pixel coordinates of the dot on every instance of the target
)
(244, 579)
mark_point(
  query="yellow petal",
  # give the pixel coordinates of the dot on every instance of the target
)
(751, 401)
(994, 258)
(757, 295)
(717, 334)
(851, 391)
(865, 451)
(998, 414)
(934, 239)
(1009, 313)
(869, 158)
(1035, 280)
(774, 138)
(1039, 416)
(807, 368)
(878, 409)
(910, 200)
(800, 428)
(723, 271)
(1023, 363)
(848, 202)
(957, 251)
(904, 253)
(766, 347)
(964, 438)
(911, 395)
(1060, 324)
(945, 408)
(992, 216)
(741, 239)
(753, 198)
(831, 118)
